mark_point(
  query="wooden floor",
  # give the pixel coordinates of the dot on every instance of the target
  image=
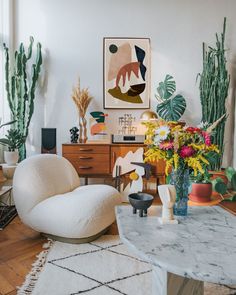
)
(19, 246)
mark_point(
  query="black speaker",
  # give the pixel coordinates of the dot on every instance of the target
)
(49, 141)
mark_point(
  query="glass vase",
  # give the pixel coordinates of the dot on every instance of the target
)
(180, 179)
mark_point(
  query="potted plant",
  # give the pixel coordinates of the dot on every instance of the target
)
(183, 149)
(201, 189)
(214, 85)
(21, 86)
(14, 140)
(170, 106)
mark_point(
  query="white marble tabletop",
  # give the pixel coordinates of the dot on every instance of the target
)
(202, 246)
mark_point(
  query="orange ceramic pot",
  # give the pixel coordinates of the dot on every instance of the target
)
(201, 192)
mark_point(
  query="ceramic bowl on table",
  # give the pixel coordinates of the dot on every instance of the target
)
(141, 202)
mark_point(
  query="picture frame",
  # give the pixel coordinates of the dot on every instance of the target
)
(126, 73)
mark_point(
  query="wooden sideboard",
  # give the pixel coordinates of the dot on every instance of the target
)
(98, 159)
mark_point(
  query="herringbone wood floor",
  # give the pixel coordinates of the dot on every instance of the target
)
(19, 246)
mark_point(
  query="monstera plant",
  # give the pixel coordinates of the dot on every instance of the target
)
(170, 106)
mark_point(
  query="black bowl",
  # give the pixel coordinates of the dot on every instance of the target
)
(140, 201)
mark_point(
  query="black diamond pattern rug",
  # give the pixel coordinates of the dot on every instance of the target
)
(102, 267)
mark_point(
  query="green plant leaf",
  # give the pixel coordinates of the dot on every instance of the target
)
(166, 88)
(219, 186)
(231, 199)
(233, 181)
(229, 172)
(172, 109)
(4, 141)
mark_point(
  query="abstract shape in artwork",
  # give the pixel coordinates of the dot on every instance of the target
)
(118, 58)
(134, 98)
(99, 126)
(113, 48)
(140, 53)
(136, 89)
(126, 166)
(126, 71)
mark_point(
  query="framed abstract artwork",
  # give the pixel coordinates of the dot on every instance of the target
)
(126, 74)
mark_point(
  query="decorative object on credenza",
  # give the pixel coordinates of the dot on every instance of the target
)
(21, 86)
(13, 140)
(126, 73)
(74, 134)
(170, 107)
(82, 99)
(148, 116)
(167, 194)
(182, 148)
(141, 202)
(214, 85)
(126, 125)
(98, 128)
(49, 141)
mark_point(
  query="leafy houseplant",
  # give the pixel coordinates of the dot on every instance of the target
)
(170, 107)
(214, 84)
(227, 191)
(21, 86)
(14, 140)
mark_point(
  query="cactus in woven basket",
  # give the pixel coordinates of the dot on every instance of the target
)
(214, 85)
(21, 86)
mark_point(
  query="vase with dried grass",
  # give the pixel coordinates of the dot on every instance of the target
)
(82, 99)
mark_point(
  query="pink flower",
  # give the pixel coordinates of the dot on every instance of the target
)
(166, 145)
(207, 138)
(186, 151)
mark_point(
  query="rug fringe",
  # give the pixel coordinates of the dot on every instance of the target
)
(37, 266)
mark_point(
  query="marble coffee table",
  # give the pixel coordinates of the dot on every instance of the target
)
(202, 247)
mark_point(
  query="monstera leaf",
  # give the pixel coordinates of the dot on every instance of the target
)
(172, 109)
(166, 88)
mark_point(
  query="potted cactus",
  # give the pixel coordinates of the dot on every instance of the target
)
(214, 85)
(21, 86)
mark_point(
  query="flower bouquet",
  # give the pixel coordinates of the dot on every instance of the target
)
(185, 149)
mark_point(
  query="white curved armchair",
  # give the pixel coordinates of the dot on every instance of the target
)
(48, 199)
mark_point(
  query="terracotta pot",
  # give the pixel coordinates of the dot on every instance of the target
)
(201, 192)
(221, 174)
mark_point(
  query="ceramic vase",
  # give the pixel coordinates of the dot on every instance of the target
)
(11, 158)
(180, 179)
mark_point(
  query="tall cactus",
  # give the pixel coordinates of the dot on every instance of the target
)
(20, 86)
(214, 85)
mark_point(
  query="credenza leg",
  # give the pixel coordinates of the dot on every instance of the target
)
(165, 283)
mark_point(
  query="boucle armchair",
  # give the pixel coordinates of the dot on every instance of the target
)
(48, 198)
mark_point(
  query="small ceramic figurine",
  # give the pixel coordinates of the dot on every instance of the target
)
(167, 195)
(74, 135)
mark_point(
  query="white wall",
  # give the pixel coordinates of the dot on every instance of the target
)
(72, 31)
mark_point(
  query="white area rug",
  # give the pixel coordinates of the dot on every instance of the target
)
(103, 267)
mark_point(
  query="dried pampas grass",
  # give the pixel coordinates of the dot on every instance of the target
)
(81, 98)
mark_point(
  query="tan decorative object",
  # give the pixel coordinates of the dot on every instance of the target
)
(82, 99)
